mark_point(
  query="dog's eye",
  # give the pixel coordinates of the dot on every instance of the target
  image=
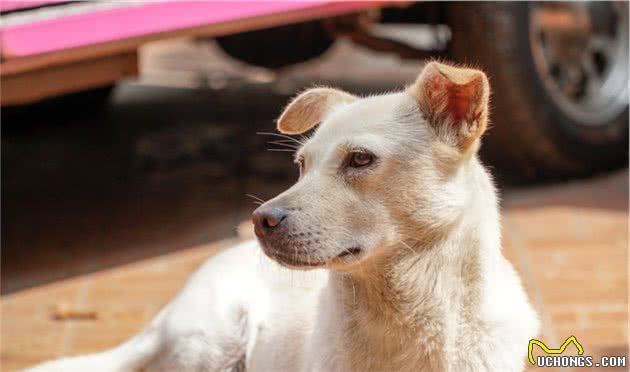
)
(360, 159)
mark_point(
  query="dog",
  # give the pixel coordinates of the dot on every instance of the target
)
(384, 256)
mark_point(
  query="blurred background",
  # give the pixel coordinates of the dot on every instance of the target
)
(132, 133)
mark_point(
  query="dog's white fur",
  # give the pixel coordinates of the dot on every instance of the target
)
(430, 290)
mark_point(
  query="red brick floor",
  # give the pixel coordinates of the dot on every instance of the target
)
(568, 242)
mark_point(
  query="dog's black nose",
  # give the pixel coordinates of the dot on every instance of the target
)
(267, 219)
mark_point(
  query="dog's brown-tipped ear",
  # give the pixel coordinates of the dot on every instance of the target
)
(309, 109)
(454, 100)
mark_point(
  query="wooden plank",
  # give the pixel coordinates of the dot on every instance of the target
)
(31, 86)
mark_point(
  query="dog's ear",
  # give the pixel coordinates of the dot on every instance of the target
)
(309, 109)
(454, 100)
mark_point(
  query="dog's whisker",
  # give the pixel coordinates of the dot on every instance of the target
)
(292, 140)
(255, 197)
(408, 246)
(281, 150)
(285, 144)
(285, 141)
(416, 242)
(351, 254)
(281, 136)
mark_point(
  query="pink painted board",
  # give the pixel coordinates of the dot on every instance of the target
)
(6, 5)
(132, 21)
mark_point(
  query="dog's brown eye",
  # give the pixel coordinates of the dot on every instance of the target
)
(360, 159)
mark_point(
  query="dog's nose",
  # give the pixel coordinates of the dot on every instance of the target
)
(267, 219)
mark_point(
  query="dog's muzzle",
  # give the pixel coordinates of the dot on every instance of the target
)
(279, 239)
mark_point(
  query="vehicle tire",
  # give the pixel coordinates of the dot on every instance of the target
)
(278, 47)
(539, 131)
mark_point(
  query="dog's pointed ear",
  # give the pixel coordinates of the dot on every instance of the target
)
(454, 100)
(310, 108)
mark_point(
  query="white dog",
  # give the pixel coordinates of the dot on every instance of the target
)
(391, 238)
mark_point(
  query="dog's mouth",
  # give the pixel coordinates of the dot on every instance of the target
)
(295, 262)
(350, 252)
(292, 261)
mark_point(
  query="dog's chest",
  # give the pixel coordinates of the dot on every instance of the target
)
(352, 352)
(374, 341)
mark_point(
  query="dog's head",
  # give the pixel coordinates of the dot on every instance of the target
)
(378, 171)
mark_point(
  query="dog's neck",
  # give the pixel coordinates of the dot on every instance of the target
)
(420, 296)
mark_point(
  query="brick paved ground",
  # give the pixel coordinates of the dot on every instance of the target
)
(568, 242)
(570, 245)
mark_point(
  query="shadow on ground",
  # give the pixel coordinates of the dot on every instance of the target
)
(156, 170)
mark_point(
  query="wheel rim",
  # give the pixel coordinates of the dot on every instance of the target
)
(580, 52)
